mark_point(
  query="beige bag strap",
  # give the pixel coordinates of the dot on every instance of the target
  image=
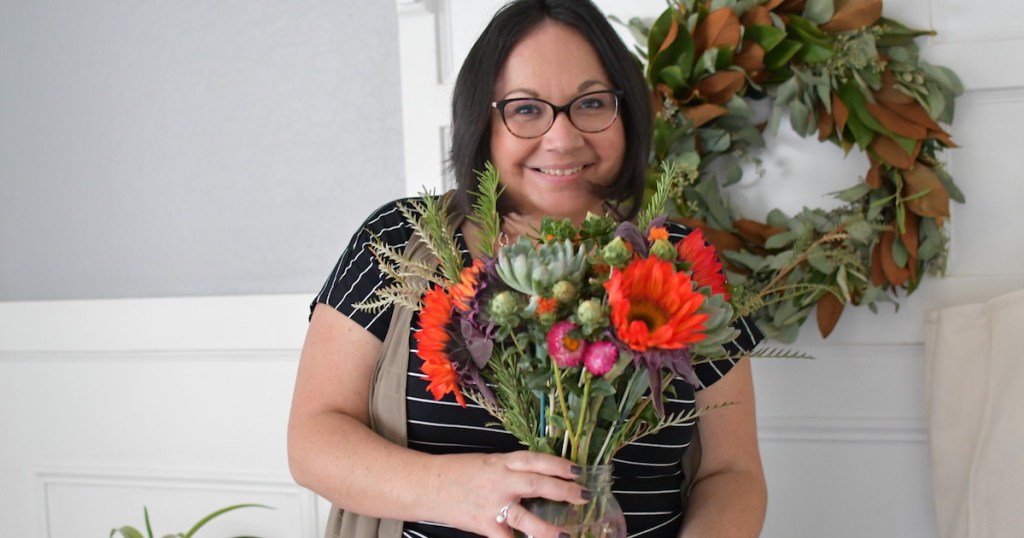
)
(387, 398)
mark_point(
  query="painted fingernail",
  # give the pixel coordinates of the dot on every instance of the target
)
(576, 469)
(587, 494)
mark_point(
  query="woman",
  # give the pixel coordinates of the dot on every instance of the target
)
(459, 476)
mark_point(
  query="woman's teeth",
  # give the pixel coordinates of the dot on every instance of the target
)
(560, 171)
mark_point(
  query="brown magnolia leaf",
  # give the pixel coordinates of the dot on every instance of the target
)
(896, 275)
(888, 94)
(853, 15)
(877, 273)
(792, 6)
(755, 232)
(673, 32)
(751, 59)
(942, 136)
(701, 114)
(830, 308)
(915, 113)
(720, 28)
(720, 87)
(840, 113)
(661, 93)
(909, 237)
(896, 123)
(874, 177)
(826, 126)
(919, 179)
(758, 15)
(892, 153)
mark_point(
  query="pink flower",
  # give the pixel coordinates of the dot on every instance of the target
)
(565, 348)
(600, 357)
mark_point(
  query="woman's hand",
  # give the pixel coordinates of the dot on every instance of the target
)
(478, 486)
(333, 452)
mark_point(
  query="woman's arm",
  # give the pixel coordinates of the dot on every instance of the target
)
(729, 494)
(332, 451)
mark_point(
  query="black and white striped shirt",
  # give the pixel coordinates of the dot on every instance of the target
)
(647, 475)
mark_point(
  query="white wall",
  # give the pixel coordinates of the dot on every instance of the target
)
(191, 147)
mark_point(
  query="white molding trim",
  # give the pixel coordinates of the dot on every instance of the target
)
(152, 356)
(263, 322)
(47, 476)
(842, 430)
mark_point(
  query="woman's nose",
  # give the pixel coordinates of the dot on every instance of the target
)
(563, 134)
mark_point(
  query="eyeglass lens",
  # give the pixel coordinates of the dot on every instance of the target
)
(529, 118)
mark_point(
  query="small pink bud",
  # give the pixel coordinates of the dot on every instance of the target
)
(600, 357)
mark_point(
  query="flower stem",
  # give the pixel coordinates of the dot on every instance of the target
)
(583, 416)
(565, 406)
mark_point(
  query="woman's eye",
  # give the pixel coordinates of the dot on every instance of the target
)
(525, 109)
(591, 103)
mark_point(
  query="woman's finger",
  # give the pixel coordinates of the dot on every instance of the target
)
(521, 519)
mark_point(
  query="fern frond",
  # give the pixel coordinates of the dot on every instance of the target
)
(656, 204)
(391, 295)
(485, 209)
(431, 223)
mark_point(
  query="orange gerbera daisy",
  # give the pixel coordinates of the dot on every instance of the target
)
(432, 345)
(469, 280)
(705, 266)
(654, 307)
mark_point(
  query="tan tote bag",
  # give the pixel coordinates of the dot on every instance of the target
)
(387, 400)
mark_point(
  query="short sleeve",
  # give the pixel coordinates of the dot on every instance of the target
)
(750, 336)
(357, 276)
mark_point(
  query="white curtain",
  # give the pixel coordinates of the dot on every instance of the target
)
(975, 398)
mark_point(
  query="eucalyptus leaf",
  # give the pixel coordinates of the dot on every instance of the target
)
(859, 230)
(821, 263)
(781, 260)
(945, 77)
(778, 219)
(819, 11)
(800, 117)
(715, 140)
(854, 193)
(900, 256)
(780, 240)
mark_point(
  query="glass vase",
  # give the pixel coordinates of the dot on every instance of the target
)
(601, 517)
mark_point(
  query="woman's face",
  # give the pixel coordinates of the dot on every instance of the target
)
(554, 174)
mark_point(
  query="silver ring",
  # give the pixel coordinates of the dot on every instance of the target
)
(503, 513)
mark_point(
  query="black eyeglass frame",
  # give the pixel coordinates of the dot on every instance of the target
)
(556, 109)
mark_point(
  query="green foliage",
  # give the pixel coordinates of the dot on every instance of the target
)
(840, 71)
(132, 532)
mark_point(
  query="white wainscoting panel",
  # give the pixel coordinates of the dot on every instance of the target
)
(177, 404)
(176, 500)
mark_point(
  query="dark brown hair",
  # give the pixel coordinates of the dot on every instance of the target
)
(474, 88)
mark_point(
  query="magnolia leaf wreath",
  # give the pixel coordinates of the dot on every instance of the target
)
(841, 70)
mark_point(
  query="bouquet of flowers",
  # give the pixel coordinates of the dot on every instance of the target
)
(569, 339)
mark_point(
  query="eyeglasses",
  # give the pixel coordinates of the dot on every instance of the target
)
(528, 117)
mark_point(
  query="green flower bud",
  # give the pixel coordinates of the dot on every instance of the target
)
(590, 312)
(564, 291)
(616, 252)
(504, 308)
(664, 250)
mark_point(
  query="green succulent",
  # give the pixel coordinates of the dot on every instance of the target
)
(535, 270)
